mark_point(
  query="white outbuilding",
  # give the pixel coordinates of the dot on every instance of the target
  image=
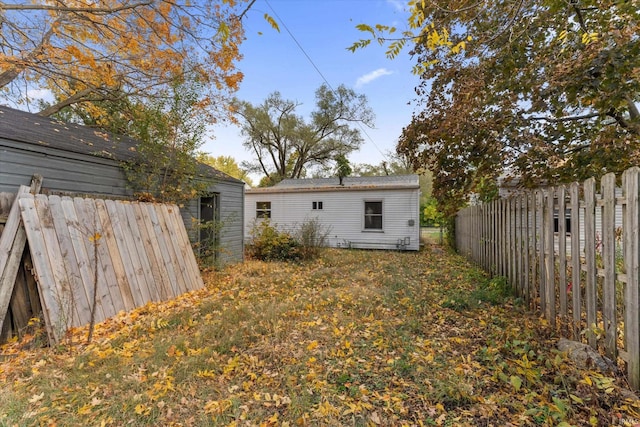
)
(381, 212)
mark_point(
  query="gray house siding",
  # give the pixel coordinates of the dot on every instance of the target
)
(231, 199)
(71, 164)
(63, 171)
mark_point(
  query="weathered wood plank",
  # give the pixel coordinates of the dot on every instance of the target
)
(32, 286)
(608, 188)
(68, 256)
(174, 253)
(186, 250)
(42, 267)
(120, 228)
(168, 258)
(549, 259)
(78, 235)
(134, 252)
(104, 256)
(158, 268)
(576, 287)
(526, 249)
(142, 251)
(540, 249)
(590, 258)
(631, 184)
(12, 243)
(561, 193)
(20, 308)
(11, 227)
(61, 287)
(169, 214)
(90, 227)
(503, 238)
(115, 258)
(519, 244)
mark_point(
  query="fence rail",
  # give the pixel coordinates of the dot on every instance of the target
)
(572, 252)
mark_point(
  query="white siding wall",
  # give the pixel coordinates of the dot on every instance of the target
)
(343, 212)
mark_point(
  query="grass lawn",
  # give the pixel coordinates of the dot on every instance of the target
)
(355, 338)
(432, 235)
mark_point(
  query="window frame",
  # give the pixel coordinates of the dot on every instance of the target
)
(365, 216)
(263, 212)
(317, 205)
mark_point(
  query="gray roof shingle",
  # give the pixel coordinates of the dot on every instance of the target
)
(28, 128)
(349, 183)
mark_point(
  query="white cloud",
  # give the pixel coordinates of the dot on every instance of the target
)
(40, 94)
(369, 77)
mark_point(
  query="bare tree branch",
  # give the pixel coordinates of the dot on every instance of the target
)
(100, 10)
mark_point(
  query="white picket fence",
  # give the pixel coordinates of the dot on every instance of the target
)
(581, 272)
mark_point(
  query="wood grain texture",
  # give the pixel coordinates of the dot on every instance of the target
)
(119, 254)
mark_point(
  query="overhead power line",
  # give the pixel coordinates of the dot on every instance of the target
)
(284, 25)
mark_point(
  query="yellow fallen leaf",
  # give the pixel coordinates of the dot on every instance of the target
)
(36, 398)
(85, 410)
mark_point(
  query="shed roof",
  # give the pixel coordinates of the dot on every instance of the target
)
(350, 183)
(29, 128)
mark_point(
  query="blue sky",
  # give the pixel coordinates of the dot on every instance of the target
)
(324, 29)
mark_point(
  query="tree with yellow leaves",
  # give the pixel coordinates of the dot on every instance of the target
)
(82, 52)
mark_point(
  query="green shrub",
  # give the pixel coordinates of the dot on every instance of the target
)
(270, 244)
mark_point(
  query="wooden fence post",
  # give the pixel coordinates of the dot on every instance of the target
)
(540, 250)
(574, 192)
(549, 264)
(562, 252)
(590, 257)
(526, 257)
(631, 185)
(609, 317)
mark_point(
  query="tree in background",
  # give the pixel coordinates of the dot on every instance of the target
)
(343, 167)
(285, 145)
(226, 164)
(82, 53)
(544, 90)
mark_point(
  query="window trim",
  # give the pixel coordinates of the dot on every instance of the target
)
(365, 215)
(263, 213)
(317, 205)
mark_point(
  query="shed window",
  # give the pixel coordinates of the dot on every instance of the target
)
(263, 209)
(373, 215)
(316, 206)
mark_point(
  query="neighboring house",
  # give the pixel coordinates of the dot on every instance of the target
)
(379, 212)
(78, 160)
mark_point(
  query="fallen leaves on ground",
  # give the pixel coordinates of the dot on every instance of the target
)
(367, 338)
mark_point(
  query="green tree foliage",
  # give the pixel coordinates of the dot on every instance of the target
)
(343, 167)
(226, 164)
(169, 136)
(285, 145)
(546, 90)
(429, 214)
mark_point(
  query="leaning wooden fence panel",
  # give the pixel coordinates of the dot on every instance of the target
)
(572, 252)
(94, 258)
